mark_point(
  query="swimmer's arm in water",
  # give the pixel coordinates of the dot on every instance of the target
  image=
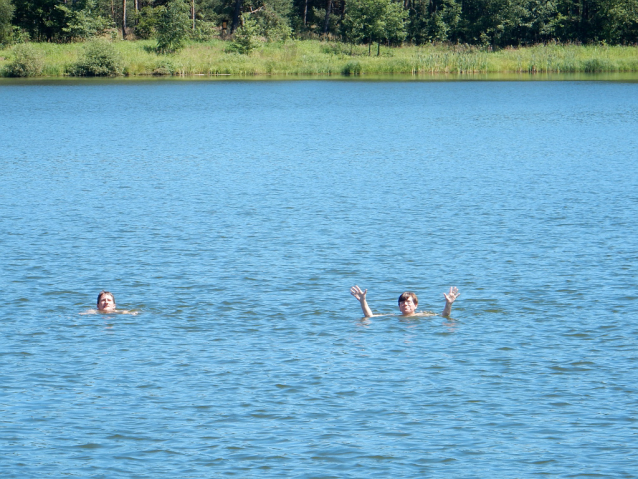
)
(450, 297)
(361, 297)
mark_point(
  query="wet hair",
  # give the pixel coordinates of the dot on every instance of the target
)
(404, 297)
(99, 296)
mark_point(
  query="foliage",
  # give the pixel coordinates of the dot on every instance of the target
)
(314, 57)
(246, 36)
(434, 21)
(100, 59)
(204, 31)
(485, 23)
(352, 68)
(619, 21)
(27, 61)
(6, 14)
(273, 22)
(146, 21)
(19, 35)
(173, 26)
(41, 19)
(165, 66)
(83, 21)
(319, 18)
(374, 20)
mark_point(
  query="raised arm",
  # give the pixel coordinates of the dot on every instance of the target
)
(361, 297)
(450, 297)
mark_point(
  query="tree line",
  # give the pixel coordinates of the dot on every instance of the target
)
(496, 23)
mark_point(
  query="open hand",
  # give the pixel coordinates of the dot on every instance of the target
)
(451, 296)
(357, 293)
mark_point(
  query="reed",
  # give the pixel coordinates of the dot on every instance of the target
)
(314, 57)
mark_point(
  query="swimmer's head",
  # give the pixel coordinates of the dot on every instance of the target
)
(408, 303)
(105, 301)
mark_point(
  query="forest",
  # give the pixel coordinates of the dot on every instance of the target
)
(485, 23)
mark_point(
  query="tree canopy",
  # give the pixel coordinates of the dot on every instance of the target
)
(477, 22)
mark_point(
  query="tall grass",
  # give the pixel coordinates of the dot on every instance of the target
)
(314, 57)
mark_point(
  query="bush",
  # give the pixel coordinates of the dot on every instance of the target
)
(27, 62)
(204, 31)
(172, 26)
(352, 68)
(165, 67)
(100, 59)
(246, 36)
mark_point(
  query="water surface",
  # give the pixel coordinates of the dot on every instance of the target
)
(236, 215)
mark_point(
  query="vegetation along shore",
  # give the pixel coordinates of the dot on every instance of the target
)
(54, 38)
(307, 57)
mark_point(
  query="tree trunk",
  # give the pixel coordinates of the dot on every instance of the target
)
(193, 13)
(326, 23)
(378, 48)
(123, 19)
(305, 12)
(235, 23)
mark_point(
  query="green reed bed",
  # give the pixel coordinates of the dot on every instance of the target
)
(313, 57)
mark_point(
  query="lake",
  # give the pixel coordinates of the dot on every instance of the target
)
(234, 216)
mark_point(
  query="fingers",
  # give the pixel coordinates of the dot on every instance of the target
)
(452, 294)
(357, 293)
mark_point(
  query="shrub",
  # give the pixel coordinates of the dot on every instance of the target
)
(352, 68)
(246, 36)
(165, 67)
(100, 59)
(204, 31)
(27, 62)
(172, 26)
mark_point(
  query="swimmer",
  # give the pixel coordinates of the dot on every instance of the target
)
(105, 301)
(408, 302)
(106, 304)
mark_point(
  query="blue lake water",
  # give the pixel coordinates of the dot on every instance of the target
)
(235, 216)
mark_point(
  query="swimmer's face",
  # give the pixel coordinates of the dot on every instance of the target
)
(106, 303)
(407, 307)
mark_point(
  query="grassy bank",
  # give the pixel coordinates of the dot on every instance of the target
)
(311, 57)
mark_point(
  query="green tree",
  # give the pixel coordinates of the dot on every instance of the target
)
(173, 26)
(6, 15)
(146, 20)
(246, 36)
(619, 21)
(274, 19)
(374, 20)
(83, 21)
(40, 18)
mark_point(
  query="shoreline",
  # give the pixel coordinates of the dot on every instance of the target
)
(298, 59)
